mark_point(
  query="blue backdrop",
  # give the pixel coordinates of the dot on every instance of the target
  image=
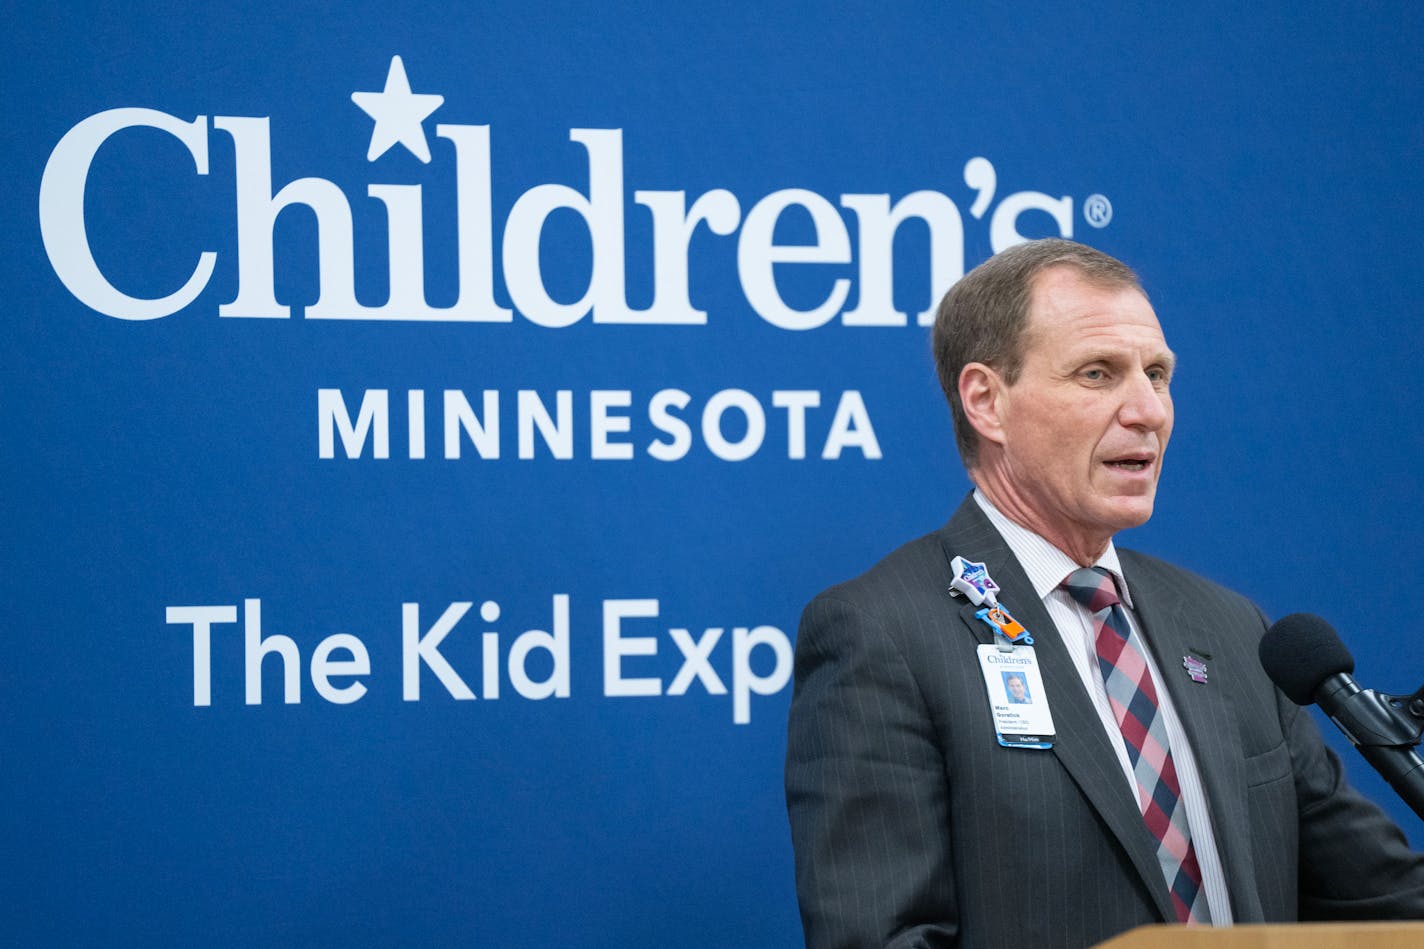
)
(263, 680)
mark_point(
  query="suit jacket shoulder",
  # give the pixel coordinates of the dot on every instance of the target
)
(1156, 578)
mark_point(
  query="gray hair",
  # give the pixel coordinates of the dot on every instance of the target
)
(982, 318)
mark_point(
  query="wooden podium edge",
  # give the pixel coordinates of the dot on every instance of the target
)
(1375, 935)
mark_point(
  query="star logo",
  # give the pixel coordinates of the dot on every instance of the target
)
(398, 113)
(973, 580)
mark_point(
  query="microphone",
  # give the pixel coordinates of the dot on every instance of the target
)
(1303, 655)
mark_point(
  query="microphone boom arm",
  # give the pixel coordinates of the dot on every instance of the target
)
(1384, 728)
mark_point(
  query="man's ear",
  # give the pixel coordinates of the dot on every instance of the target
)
(981, 393)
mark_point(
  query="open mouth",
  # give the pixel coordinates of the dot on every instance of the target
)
(1130, 464)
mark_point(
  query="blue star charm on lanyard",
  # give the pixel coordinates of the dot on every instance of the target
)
(973, 580)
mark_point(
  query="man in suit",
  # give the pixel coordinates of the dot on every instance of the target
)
(1156, 797)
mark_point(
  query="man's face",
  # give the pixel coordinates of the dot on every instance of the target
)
(1016, 688)
(1086, 424)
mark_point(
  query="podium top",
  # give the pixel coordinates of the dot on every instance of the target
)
(1384, 935)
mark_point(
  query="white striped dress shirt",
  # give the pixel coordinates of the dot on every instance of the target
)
(1046, 566)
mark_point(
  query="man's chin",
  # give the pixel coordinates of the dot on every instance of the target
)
(1126, 511)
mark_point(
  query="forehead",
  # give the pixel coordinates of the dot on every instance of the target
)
(1065, 307)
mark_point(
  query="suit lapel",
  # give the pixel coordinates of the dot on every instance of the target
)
(1081, 746)
(1173, 629)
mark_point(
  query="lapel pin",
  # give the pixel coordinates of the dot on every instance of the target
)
(1196, 669)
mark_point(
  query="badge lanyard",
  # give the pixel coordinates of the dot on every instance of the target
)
(1012, 680)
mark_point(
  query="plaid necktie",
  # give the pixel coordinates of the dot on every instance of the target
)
(1134, 703)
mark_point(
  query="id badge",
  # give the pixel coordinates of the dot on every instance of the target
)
(1016, 696)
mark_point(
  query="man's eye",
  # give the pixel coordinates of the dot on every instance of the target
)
(1157, 375)
(1094, 375)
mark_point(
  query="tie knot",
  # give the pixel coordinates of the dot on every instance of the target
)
(1093, 587)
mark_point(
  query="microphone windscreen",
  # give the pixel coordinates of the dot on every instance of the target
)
(1300, 652)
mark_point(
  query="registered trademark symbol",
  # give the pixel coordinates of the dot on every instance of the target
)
(1097, 210)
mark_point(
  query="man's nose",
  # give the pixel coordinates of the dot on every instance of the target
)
(1144, 404)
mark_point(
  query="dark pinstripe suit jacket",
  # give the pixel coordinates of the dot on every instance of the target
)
(913, 827)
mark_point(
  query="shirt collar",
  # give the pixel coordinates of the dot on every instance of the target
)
(1044, 563)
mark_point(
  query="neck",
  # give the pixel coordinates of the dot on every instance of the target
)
(1083, 547)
